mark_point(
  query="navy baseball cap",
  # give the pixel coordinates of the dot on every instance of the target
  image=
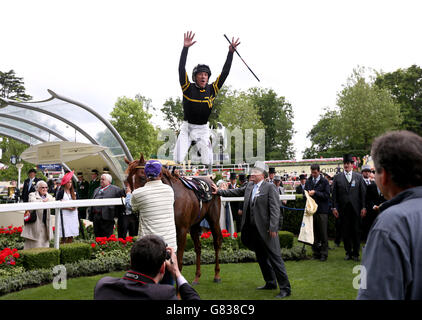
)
(152, 168)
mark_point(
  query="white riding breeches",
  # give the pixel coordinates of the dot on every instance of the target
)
(198, 133)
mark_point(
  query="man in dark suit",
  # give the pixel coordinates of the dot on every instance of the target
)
(82, 190)
(271, 174)
(348, 204)
(29, 184)
(374, 198)
(319, 189)
(300, 189)
(94, 183)
(259, 228)
(234, 206)
(149, 259)
(103, 217)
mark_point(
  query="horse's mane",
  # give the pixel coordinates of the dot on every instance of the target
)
(166, 173)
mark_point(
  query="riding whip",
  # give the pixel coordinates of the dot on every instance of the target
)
(242, 60)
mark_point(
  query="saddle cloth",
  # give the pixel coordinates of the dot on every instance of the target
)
(200, 187)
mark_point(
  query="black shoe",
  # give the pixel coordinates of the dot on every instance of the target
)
(316, 257)
(356, 258)
(267, 287)
(323, 258)
(283, 294)
(347, 257)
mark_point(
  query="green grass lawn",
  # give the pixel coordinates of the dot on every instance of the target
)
(310, 280)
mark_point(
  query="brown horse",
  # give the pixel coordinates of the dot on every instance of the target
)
(187, 213)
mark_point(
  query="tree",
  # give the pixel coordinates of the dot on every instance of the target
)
(12, 87)
(131, 120)
(405, 86)
(11, 147)
(173, 113)
(364, 111)
(323, 136)
(277, 116)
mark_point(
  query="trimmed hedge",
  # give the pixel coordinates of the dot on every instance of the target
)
(285, 238)
(39, 258)
(78, 269)
(73, 252)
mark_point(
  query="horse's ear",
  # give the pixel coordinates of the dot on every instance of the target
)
(142, 160)
(127, 160)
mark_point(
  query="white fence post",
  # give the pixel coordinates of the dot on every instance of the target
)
(56, 231)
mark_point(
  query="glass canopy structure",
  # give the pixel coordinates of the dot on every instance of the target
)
(62, 119)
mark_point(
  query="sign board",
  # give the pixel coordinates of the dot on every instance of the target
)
(50, 167)
(295, 170)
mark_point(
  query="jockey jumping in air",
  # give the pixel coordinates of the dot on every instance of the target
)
(198, 99)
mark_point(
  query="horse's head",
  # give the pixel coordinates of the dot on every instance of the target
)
(135, 173)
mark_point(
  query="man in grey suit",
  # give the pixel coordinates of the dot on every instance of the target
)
(103, 217)
(349, 192)
(259, 228)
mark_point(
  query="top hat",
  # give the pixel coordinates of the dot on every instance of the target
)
(277, 178)
(232, 175)
(242, 177)
(348, 158)
(79, 174)
(302, 176)
(94, 171)
(272, 170)
(366, 167)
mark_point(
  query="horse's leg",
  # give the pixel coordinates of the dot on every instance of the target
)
(194, 233)
(213, 217)
(181, 242)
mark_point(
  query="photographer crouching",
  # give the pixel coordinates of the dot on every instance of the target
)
(149, 259)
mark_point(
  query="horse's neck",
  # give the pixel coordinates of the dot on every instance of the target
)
(166, 180)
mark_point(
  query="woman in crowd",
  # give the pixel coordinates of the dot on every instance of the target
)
(38, 234)
(69, 223)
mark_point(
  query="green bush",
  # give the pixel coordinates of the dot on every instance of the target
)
(40, 258)
(239, 256)
(81, 268)
(189, 243)
(10, 272)
(73, 252)
(286, 239)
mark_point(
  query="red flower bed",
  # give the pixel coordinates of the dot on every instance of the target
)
(8, 256)
(10, 230)
(111, 243)
(224, 233)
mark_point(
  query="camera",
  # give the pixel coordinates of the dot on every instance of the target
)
(168, 255)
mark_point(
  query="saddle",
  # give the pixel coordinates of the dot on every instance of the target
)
(200, 187)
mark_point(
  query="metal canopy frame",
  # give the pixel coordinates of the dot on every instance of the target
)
(11, 110)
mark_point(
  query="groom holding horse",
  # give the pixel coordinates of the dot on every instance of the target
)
(198, 99)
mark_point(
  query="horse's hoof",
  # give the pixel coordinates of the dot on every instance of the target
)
(194, 283)
(217, 280)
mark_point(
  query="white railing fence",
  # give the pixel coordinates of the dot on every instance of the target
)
(22, 206)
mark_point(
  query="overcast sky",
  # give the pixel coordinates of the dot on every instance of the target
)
(97, 51)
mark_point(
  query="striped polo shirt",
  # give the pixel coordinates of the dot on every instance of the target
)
(154, 202)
